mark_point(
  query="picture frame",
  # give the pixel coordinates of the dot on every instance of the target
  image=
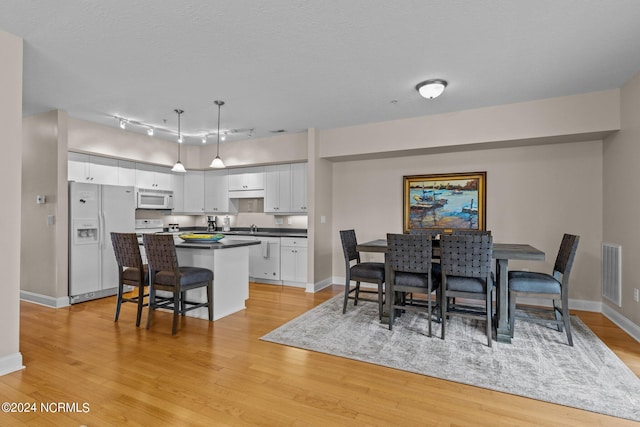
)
(446, 202)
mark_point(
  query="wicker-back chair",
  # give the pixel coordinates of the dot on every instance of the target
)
(466, 261)
(554, 286)
(131, 271)
(166, 275)
(369, 272)
(411, 272)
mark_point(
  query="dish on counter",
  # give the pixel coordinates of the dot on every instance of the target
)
(201, 238)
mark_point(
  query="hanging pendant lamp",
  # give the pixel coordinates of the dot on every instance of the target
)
(179, 167)
(217, 162)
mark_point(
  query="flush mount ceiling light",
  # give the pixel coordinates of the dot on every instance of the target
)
(431, 88)
(217, 162)
(179, 167)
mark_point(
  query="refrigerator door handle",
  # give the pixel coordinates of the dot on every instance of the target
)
(102, 228)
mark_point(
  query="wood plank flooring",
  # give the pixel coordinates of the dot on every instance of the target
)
(221, 374)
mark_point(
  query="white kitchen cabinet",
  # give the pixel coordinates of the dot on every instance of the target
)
(194, 192)
(216, 192)
(126, 173)
(177, 186)
(293, 261)
(92, 169)
(299, 187)
(246, 179)
(154, 177)
(277, 189)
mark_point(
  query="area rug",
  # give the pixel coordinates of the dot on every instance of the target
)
(537, 364)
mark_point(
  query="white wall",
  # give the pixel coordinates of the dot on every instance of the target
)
(11, 124)
(621, 202)
(534, 195)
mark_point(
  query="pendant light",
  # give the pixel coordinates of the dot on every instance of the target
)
(217, 162)
(178, 167)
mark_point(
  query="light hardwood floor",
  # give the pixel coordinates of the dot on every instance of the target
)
(221, 374)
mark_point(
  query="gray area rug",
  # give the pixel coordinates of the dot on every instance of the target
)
(538, 364)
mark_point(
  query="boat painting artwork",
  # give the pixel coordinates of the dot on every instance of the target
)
(445, 201)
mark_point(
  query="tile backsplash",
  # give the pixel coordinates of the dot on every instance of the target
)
(241, 219)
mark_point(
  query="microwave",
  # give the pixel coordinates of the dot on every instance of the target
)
(154, 199)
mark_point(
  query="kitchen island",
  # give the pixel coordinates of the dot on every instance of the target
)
(229, 262)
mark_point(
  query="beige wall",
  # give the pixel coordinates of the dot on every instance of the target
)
(286, 148)
(320, 208)
(44, 162)
(10, 173)
(621, 203)
(534, 195)
(570, 118)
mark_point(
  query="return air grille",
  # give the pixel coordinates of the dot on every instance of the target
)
(612, 272)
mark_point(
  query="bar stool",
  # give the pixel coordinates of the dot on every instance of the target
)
(166, 275)
(131, 271)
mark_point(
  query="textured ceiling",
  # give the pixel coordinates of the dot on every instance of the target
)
(291, 65)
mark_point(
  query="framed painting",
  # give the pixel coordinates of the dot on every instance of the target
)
(445, 201)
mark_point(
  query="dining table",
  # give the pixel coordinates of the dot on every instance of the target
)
(502, 253)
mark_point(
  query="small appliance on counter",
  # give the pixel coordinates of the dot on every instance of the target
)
(174, 228)
(225, 224)
(211, 223)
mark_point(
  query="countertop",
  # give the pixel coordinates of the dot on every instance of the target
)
(218, 245)
(265, 232)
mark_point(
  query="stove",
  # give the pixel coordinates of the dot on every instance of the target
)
(146, 226)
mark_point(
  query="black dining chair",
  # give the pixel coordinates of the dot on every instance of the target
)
(542, 285)
(411, 272)
(368, 272)
(166, 275)
(131, 272)
(466, 275)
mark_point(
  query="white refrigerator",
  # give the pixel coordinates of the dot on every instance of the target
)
(94, 212)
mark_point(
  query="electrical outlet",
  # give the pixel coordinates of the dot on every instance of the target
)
(636, 295)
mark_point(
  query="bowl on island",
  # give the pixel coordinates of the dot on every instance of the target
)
(201, 237)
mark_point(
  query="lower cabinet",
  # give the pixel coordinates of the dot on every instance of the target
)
(293, 261)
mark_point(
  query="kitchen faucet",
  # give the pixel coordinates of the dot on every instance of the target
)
(254, 228)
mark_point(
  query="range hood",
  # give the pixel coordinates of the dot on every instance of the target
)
(246, 194)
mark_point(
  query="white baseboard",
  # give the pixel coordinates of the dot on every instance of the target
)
(11, 363)
(318, 286)
(44, 299)
(622, 322)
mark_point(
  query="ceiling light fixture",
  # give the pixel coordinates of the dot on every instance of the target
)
(123, 123)
(204, 139)
(431, 88)
(178, 167)
(217, 162)
(150, 131)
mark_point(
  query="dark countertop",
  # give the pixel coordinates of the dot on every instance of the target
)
(264, 232)
(218, 245)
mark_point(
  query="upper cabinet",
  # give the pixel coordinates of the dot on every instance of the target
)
(92, 169)
(177, 186)
(246, 179)
(299, 187)
(277, 189)
(216, 192)
(194, 192)
(286, 189)
(126, 173)
(154, 177)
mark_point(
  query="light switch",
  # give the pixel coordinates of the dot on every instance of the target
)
(323, 219)
(51, 219)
